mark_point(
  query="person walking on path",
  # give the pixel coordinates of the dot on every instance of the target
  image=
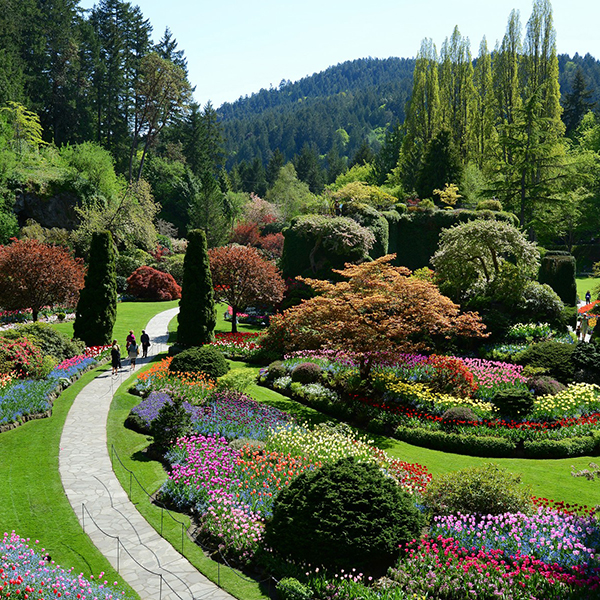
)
(132, 353)
(588, 297)
(130, 339)
(145, 341)
(115, 357)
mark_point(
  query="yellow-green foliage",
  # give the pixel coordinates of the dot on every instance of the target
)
(576, 399)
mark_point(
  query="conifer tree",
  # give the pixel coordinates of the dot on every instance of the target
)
(97, 307)
(197, 317)
(483, 119)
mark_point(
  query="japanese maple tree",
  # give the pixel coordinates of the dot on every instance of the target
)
(376, 308)
(241, 277)
(34, 275)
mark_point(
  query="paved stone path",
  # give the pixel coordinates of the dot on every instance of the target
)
(89, 481)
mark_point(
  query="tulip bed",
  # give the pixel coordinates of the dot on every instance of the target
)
(26, 572)
(229, 474)
(20, 398)
(408, 395)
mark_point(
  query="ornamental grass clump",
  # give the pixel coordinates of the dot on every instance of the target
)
(346, 514)
(478, 490)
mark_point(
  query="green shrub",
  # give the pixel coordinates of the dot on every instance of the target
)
(172, 422)
(557, 269)
(344, 515)
(544, 386)
(458, 413)
(513, 402)
(477, 490)
(491, 204)
(553, 356)
(306, 373)
(205, 359)
(576, 446)
(586, 362)
(238, 379)
(276, 370)
(291, 589)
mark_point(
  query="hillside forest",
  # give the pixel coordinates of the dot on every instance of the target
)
(99, 131)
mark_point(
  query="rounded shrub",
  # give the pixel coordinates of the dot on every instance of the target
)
(488, 489)
(455, 414)
(290, 588)
(205, 359)
(491, 204)
(276, 370)
(543, 385)
(151, 284)
(555, 357)
(306, 373)
(346, 514)
(513, 402)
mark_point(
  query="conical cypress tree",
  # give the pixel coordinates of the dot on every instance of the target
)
(97, 307)
(197, 317)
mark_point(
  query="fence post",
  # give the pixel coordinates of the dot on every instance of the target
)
(130, 485)
(182, 538)
(118, 553)
(162, 517)
(160, 588)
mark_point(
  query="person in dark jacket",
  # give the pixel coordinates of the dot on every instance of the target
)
(145, 341)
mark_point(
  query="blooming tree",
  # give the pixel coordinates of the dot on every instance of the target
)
(376, 308)
(34, 275)
(241, 276)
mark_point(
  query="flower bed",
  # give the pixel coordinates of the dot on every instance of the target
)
(26, 573)
(409, 396)
(241, 345)
(21, 400)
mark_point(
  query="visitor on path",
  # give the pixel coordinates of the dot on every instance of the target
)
(578, 330)
(588, 297)
(133, 352)
(115, 357)
(145, 340)
(130, 339)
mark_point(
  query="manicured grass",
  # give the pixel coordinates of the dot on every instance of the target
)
(587, 283)
(130, 315)
(32, 500)
(150, 474)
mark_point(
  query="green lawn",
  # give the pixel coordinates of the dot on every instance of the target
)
(32, 501)
(587, 283)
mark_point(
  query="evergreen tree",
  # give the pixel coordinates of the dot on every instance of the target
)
(441, 165)
(97, 307)
(483, 119)
(309, 170)
(274, 165)
(197, 317)
(577, 102)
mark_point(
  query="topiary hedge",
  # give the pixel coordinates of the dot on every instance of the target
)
(205, 359)
(306, 373)
(558, 270)
(344, 515)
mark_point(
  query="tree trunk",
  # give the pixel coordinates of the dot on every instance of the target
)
(234, 319)
(34, 314)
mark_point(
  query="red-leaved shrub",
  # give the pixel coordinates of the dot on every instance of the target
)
(451, 376)
(148, 283)
(21, 357)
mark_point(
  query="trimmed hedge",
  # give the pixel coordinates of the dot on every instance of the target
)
(557, 269)
(567, 448)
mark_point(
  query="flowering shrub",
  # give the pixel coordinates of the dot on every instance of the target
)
(451, 375)
(21, 357)
(24, 573)
(529, 331)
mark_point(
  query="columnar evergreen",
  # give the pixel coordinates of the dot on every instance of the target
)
(197, 317)
(97, 307)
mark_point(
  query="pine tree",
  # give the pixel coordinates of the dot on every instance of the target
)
(197, 318)
(97, 307)
(577, 102)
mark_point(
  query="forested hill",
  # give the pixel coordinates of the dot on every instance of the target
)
(341, 107)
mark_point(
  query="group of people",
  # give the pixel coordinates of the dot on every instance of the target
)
(132, 349)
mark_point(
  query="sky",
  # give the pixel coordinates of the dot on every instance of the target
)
(236, 47)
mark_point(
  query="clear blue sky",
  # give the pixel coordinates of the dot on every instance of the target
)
(237, 47)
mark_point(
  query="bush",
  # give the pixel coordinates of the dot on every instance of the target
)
(555, 357)
(47, 339)
(150, 284)
(451, 376)
(238, 380)
(477, 490)
(276, 370)
(566, 448)
(205, 359)
(491, 204)
(346, 514)
(544, 386)
(557, 269)
(291, 589)
(306, 373)
(458, 413)
(586, 362)
(21, 356)
(513, 402)
(172, 422)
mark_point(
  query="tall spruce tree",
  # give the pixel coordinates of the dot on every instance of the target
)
(97, 307)
(197, 319)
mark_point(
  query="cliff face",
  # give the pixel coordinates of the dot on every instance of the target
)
(54, 211)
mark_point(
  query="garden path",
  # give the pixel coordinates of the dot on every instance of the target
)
(102, 506)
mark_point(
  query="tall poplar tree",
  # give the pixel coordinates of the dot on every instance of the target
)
(197, 319)
(485, 135)
(97, 307)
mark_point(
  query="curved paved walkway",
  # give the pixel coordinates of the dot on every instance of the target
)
(88, 479)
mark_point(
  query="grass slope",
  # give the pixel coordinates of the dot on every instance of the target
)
(587, 283)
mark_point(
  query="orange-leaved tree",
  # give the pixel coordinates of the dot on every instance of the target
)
(376, 308)
(241, 277)
(34, 275)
